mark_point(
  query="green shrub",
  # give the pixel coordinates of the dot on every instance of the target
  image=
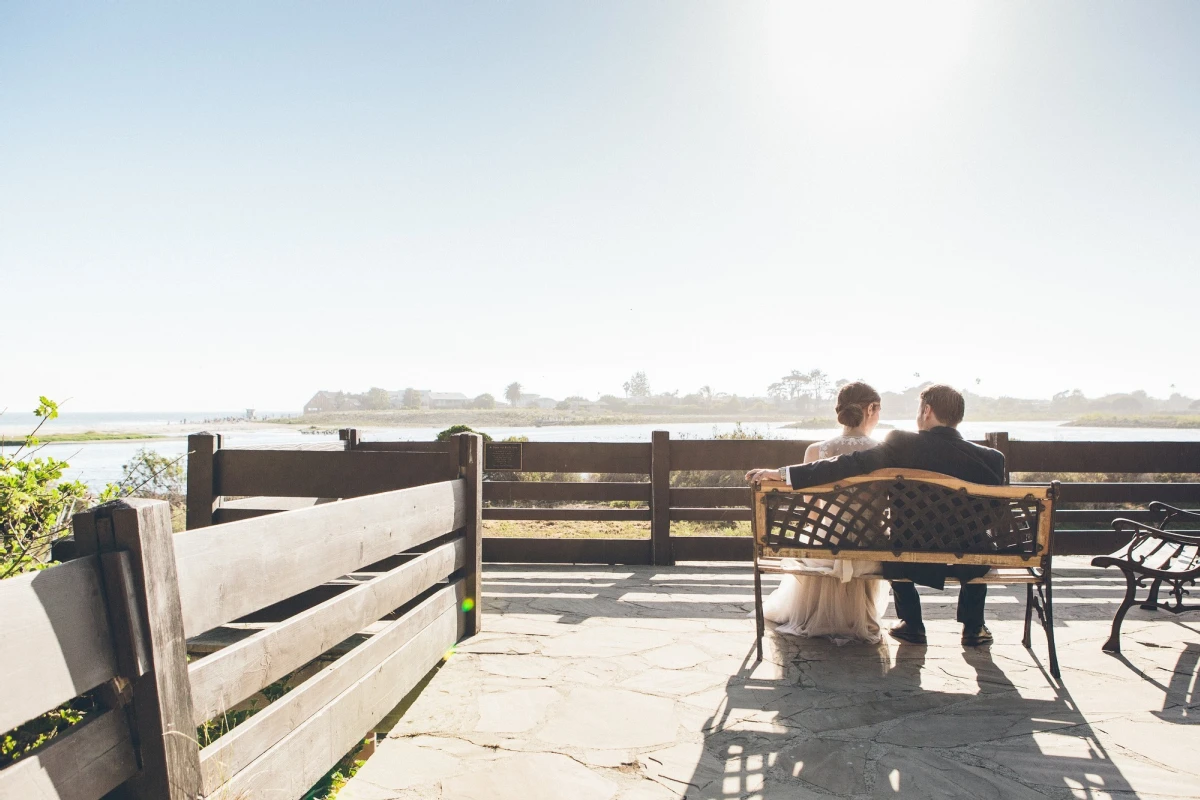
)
(444, 436)
(36, 504)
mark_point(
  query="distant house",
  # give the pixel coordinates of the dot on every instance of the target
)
(323, 402)
(536, 401)
(448, 400)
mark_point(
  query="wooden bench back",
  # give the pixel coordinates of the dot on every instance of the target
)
(905, 515)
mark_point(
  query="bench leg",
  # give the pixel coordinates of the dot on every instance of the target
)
(1049, 624)
(1113, 645)
(1025, 640)
(1151, 603)
(759, 624)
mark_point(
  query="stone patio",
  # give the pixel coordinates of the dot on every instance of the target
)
(639, 683)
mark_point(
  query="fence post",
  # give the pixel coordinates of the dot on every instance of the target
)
(470, 468)
(999, 441)
(201, 479)
(349, 436)
(141, 588)
(660, 498)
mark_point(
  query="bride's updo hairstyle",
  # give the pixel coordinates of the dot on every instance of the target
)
(853, 401)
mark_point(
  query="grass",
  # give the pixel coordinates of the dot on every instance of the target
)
(814, 423)
(542, 529)
(1136, 421)
(86, 436)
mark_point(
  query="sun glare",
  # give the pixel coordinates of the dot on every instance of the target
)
(849, 64)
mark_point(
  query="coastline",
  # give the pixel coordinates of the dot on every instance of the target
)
(525, 418)
(62, 431)
(1179, 421)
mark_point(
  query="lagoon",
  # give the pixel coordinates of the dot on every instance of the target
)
(98, 463)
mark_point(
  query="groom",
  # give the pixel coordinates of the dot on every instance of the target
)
(937, 447)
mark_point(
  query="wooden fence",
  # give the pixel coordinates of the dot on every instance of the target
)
(289, 591)
(286, 478)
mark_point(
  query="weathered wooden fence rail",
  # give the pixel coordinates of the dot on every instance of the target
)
(366, 594)
(646, 472)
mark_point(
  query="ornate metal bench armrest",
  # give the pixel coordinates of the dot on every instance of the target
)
(1158, 507)
(1123, 525)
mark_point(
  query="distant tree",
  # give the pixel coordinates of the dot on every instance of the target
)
(1195, 406)
(706, 395)
(484, 400)
(819, 382)
(612, 401)
(377, 399)
(796, 384)
(1072, 402)
(412, 398)
(638, 385)
(1126, 403)
(512, 393)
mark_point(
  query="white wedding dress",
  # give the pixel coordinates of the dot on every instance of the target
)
(831, 604)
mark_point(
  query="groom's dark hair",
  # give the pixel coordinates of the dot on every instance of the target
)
(946, 403)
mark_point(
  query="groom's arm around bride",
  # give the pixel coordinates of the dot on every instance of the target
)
(937, 446)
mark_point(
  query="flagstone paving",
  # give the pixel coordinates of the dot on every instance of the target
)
(639, 683)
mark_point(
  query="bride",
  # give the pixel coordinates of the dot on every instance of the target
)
(832, 604)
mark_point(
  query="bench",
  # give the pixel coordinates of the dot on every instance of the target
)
(912, 516)
(1154, 553)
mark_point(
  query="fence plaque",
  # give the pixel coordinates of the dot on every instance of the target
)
(502, 455)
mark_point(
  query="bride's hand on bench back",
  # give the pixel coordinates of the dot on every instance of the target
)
(763, 475)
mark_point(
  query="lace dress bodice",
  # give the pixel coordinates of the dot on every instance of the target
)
(841, 445)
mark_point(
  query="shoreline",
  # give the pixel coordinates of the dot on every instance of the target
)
(84, 437)
(61, 431)
(526, 418)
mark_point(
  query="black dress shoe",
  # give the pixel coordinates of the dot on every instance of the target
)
(908, 633)
(976, 638)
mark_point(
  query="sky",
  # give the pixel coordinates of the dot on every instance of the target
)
(230, 204)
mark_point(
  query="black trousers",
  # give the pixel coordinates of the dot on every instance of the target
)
(971, 597)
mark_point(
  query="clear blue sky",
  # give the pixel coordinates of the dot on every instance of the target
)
(219, 205)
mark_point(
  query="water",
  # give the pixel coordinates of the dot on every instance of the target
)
(98, 463)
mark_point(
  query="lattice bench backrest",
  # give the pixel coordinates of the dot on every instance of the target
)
(906, 515)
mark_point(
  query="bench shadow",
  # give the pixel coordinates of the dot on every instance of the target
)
(1184, 684)
(896, 720)
(725, 591)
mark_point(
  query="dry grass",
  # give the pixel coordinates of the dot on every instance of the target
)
(605, 530)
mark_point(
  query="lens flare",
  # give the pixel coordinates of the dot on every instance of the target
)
(468, 604)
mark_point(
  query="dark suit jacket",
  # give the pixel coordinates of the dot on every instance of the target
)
(939, 450)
